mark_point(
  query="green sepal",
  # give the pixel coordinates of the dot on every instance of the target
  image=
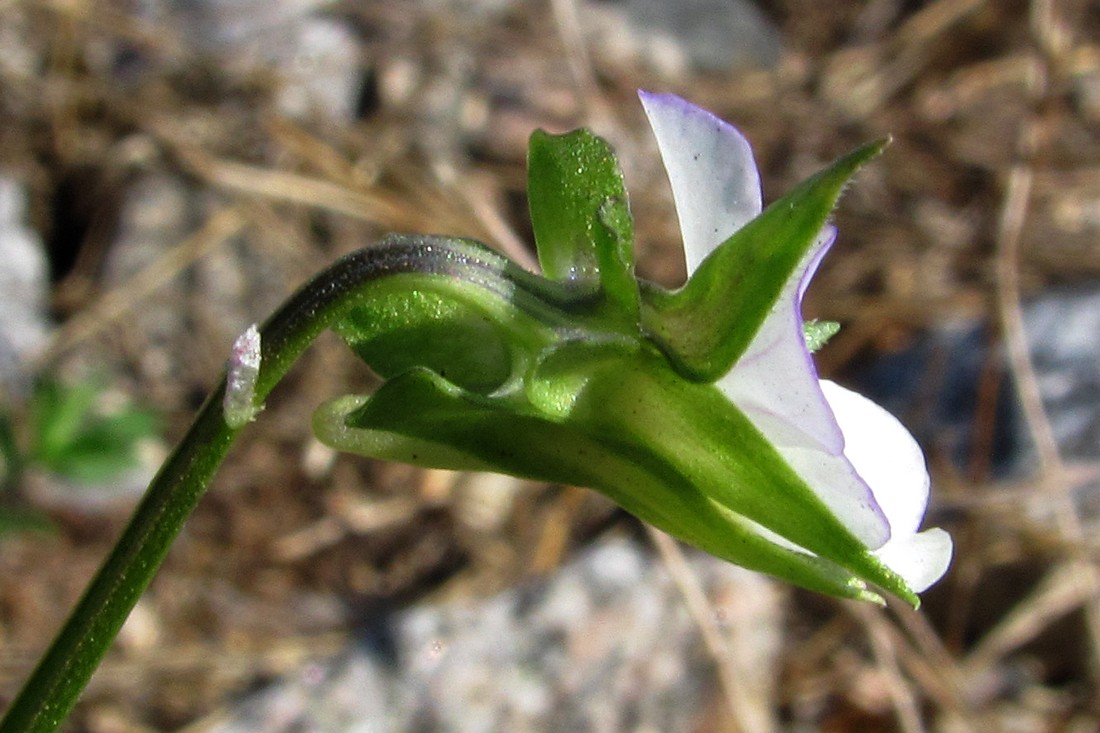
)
(692, 431)
(675, 454)
(818, 333)
(705, 326)
(469, 314)
(411, 320)
(421, 419)
(581, 216)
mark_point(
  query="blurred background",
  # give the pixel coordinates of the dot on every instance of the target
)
(170, 170)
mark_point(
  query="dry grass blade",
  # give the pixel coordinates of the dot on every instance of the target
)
(219, 228)
(1084, 576)
(861, 80)
(1014, 212)
(749, 714)
(1059, 593)
(931, 665)
(297, 188)
(567, 19)
(479, 197)
(885, 648)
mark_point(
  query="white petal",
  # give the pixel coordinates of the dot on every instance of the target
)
(862, 463)
(885, 455)
(710, 165)
(888, 458)
(920, 559)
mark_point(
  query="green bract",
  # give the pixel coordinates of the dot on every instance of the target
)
(588, 376)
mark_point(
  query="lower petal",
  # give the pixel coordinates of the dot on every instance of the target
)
(920, 559)
(888, 459)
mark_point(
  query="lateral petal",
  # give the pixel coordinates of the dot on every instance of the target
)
(775, 381)
(920, 559)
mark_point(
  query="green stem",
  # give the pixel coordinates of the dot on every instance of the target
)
(56, 683)
(9, 453)
(62, 673)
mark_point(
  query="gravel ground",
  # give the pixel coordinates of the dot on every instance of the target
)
(170, 170)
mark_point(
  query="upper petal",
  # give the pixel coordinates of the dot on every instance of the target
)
(716, 188)
(710, 165)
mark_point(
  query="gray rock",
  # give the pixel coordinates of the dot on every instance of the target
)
(225, 286)
(321, 70)
(157, 211)
(605, 645)
(1063, 328)
(220, 25)
(674, 37)
(24, 285)
(934, 387)
(315, 60)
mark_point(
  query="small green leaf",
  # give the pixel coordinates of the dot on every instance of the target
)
(580, 215)
(14, 520)
(706, 325)
(58, 412)
(70, 436)
(817, 333)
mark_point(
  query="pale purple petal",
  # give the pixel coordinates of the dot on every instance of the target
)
(859, 460)
(839, 487)
(775, 384)
(717, 191)
(775, 381)
(710, 165)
